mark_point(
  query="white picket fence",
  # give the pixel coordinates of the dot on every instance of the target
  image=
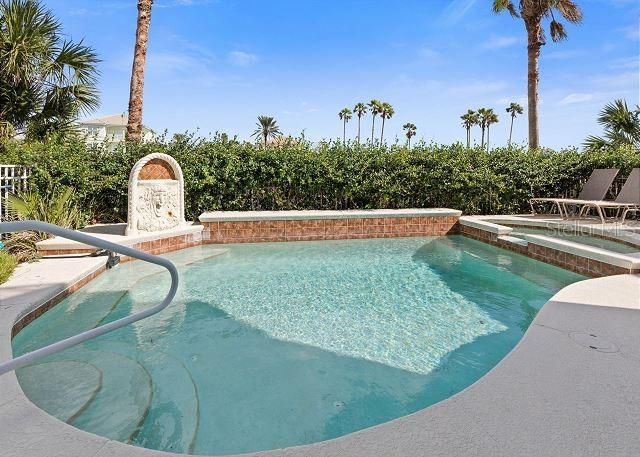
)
(13, 179)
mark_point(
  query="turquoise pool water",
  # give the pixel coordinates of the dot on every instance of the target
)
(280, 344)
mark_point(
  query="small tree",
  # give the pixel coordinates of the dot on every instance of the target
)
(483, 114)
(514, 109)
(360, 110)
(491, 118)
(410, 132)
(267, 128)
(375, 106)
(46, 80)
(621, 126)
(469, 119)
(386, 112)
(345, 116)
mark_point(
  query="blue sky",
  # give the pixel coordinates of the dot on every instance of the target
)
(215, 65)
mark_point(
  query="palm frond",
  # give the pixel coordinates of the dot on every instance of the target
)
(44, 79)
(505, 5)
(569, 10)
(557, 31)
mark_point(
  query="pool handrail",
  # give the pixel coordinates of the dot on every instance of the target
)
(26, 359)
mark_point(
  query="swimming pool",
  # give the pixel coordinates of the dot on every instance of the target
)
(279, 344)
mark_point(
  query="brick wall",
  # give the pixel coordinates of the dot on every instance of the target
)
(327, 229)
(159, 246)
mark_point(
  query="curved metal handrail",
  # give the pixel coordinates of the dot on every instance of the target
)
(19, 226)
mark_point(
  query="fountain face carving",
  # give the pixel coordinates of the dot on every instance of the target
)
(156, 195)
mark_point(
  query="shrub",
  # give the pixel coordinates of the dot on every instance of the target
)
(7, 265)
(224, 174)
(53, 206)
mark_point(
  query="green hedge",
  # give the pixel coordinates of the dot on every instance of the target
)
(222, 174)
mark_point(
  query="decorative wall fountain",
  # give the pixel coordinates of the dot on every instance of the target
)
(156, 195)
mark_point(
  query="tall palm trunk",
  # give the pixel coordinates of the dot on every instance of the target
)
(134, 124)
(382, 131)
(468, 137)
(344, 131)
(482, 142)
(265, 136)
(533, 26)
(511, 129)
(373, 126)
(359, 117)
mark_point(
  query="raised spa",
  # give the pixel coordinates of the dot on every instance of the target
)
(575, 235)
(279, 344)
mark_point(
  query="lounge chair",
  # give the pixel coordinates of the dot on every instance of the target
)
(595, 189)
(628, 200)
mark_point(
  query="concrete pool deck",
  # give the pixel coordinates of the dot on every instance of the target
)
(571, 386)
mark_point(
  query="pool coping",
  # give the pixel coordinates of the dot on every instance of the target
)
(302, 215)
(550, 395)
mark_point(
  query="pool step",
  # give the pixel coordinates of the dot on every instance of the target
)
(120, 406)
(62, 388)
(96, 307)
(514, 240)
(172, 422)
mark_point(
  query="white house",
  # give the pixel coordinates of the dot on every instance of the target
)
(110, 129)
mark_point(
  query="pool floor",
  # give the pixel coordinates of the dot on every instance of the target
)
(279, 344)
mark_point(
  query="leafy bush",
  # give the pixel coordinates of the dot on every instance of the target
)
(53, 206)
(224, 174)
(7, 265)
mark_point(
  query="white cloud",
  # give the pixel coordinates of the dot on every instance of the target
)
(500, 42)
(476, 87)
(520, 100)
(632, 32)
(627, 63)
(178, 3)
(179, 68)
(618, 79)
(242, 59)
(575, 98)
(456, 10)
(428, 53)
(563, 55)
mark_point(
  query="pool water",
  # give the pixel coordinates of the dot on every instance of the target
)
(280, 344)
(577, 237)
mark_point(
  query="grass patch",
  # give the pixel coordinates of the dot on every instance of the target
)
(7, 265)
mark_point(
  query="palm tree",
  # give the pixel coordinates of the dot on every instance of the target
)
(267, 128)
(482, 116)
(514, 109)
(134, 124)
(410, 132)
(345, 115)
(386, 112)
(469, 119)
(491, 118)
(621, 126)
(532, 12)
(360, 109)
(46, 80)
(376, 107)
